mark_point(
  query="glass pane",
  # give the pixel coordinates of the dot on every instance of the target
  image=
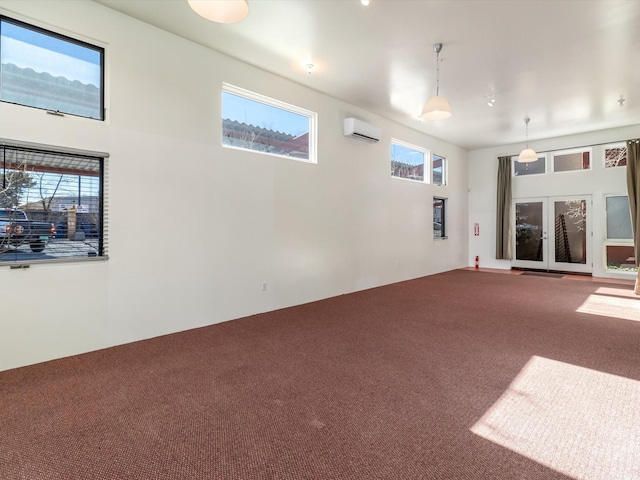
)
(531, 168)
(254, 125)
(438, 218)
(407, 163)
(438, 170)
(615, 157)
(618, 218)
(621, 258)
(53, 203)
(570, 231)
(45, 71)
(571, 161)
(529, 231)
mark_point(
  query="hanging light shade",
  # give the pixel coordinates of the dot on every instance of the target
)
(437, 107)
(527, 155)
(221, 11)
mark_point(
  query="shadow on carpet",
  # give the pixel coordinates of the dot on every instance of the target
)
(543, 274)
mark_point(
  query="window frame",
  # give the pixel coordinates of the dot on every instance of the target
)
(571, 151)
(606, 220)
(613, 242)
(102, 200)
(272, 102)
(68, 39)
(541, 156)
(604, 154)
(445, 170)
(443, 217)
(426, 161)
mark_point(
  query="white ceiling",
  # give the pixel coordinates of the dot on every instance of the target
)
(564, 63)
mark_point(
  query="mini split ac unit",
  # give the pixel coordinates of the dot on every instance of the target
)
(361, 130)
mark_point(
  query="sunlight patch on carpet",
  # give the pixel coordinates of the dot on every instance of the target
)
(609, 304)
(617, 292)
(579, 422)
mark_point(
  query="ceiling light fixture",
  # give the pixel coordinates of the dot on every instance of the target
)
(221, 11)
(527, 155)
(364, 2)
(436, 108)
(621, 101)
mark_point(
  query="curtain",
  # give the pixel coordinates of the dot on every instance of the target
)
(503, 211)
(633, 187)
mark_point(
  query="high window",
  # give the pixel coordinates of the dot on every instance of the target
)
(46, 70)
(439, 217)
(530, 168)
(615, 156)
(408, 161)
(571, 160)
(51, 206)
(253, 122)
(439, 170)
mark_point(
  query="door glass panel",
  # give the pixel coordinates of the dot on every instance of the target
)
(570, 231)
(529, 231)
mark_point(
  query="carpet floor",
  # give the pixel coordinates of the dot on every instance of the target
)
(461, 375)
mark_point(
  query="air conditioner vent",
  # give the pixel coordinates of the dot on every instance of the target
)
(360, 130)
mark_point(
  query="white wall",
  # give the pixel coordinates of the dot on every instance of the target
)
(598, 182)
(194, 228)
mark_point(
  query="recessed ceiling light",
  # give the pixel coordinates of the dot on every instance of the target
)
(364, 2)
(491, 98)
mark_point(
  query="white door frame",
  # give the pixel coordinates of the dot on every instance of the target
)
(547, 236)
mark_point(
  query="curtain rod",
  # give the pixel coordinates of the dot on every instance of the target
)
(582, 146)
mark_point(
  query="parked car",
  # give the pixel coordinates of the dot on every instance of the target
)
(89, 229)
(16, 229)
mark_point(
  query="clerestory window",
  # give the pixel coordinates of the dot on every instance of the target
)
(254, 122)
(46, 70)
(409, 161)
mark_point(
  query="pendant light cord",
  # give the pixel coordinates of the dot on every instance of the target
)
(438, 72)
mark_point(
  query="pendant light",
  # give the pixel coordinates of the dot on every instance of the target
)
(527, 155)
(436, 108)
(221, 11)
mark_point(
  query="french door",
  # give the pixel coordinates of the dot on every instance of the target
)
(553, 233)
